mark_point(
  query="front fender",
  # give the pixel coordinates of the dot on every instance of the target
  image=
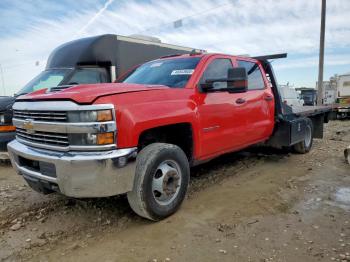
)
(135, 119)
(140, 111)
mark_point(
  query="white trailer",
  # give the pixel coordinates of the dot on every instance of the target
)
(329, 92)
(343, 96)
(343, 85)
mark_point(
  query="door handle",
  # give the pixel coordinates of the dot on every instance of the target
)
(240, 100)
(268, 97)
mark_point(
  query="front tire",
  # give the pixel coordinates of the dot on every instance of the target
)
(161, 181)
(304, 146)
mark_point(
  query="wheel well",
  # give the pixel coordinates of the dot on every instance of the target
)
(177, 134)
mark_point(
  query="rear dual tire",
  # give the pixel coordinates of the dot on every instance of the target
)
(304, 146)
(161, 181)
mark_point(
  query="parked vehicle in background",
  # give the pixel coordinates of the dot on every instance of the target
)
(98, 59)
(7, 130)
(141, 137)
(329, 96)
(343, 99)
(290, 96)
(309, 95)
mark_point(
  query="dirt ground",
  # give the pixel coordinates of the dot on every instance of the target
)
(260, 204)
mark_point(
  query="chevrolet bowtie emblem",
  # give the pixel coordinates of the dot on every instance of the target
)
(28, 125)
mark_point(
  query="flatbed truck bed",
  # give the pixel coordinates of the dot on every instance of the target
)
(291, 122)
(310, 110)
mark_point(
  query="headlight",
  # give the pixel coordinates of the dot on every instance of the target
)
(90, 116)
(4, 126)
(91, 139)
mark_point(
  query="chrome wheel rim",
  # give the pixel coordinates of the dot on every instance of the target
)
(166, 182)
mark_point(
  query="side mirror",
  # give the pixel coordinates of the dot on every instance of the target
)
(236, 82)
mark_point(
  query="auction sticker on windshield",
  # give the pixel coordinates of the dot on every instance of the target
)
(182, 72)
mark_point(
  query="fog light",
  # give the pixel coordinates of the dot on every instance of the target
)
(105, 138)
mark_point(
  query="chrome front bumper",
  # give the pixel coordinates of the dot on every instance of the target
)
(76, 174)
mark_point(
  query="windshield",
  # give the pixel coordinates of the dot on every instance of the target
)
(168, 72)
(46, 79)
(87, 76)
(55, 77)
(307, 97)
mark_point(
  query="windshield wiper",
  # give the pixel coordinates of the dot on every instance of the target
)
(60, 87)
(20, 94)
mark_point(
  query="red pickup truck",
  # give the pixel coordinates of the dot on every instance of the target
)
(141, 136)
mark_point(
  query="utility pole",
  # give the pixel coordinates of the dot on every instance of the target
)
(321, 57)
(2, 80)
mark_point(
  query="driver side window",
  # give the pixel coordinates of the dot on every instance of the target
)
(217, 69)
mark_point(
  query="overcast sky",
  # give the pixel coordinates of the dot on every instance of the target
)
(30, 30)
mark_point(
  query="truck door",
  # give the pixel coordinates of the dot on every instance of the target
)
(222, 116)
(259, 103)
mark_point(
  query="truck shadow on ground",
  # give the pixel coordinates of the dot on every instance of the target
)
(202, 176)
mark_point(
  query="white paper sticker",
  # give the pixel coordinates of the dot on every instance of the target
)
(182, 72)
(156, 64)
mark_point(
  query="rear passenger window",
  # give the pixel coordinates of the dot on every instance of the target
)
(255, 79)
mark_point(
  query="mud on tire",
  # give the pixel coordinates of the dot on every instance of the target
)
(161, 181)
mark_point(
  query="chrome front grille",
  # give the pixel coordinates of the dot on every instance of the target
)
(46, 138)
(47, 116)
(47, 125)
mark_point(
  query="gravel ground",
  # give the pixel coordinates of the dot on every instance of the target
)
(260, 204)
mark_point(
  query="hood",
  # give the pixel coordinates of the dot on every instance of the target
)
(6, 102)
(87, 94)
